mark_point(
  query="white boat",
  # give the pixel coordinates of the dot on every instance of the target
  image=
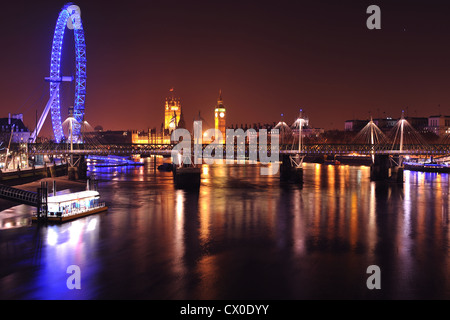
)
(70, 206)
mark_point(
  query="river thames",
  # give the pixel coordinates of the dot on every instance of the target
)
(241, 236)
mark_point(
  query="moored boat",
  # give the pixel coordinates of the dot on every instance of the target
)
(427, 167)
(165, 167)
(331, 162)
(65, 207)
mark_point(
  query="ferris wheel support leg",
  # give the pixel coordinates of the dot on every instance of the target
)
(43, 117)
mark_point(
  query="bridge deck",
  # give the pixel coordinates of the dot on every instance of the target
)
(165, 150)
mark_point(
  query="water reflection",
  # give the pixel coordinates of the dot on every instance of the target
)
(241, 235)
(15, 217)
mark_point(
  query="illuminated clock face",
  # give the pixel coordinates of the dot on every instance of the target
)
(216, 114)
(222, 114)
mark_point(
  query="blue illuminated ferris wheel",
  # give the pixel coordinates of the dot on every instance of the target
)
(68, 17)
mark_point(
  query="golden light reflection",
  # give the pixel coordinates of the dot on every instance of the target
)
(141, 173)
(421, 178)
(208, 269)
(332, 198)
(220, 170)
(205, 216)
(178, 241)
(421, 210)
(331, 176)
(344, 175)
(438, 183)
(372, 232)
(354, 219)
(317, 203)
(317, 176)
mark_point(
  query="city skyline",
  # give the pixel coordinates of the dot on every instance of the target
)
(135, 188)
(267, 59)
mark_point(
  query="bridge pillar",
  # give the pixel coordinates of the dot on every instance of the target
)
(82, 168)
(45, 170)
(379, 170)
(397, 174)
(188, 178)
(72, 173)
(383, 169)
(52, 170)
(78, 171)
(290, 172)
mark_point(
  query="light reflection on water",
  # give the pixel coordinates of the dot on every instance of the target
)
(242, 235)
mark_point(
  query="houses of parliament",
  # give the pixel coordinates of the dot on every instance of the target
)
(174, 118)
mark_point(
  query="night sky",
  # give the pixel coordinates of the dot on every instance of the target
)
(267, 57)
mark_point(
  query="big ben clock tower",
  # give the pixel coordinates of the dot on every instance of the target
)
(220, 116)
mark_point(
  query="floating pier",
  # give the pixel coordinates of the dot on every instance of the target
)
(71, 206)
(186, 177)
(66, 207)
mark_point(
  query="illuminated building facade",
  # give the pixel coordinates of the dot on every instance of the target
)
(150, 136)
(172, 113)
(220, 115)
(173, 118)
(13, 129)
(440, 125)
